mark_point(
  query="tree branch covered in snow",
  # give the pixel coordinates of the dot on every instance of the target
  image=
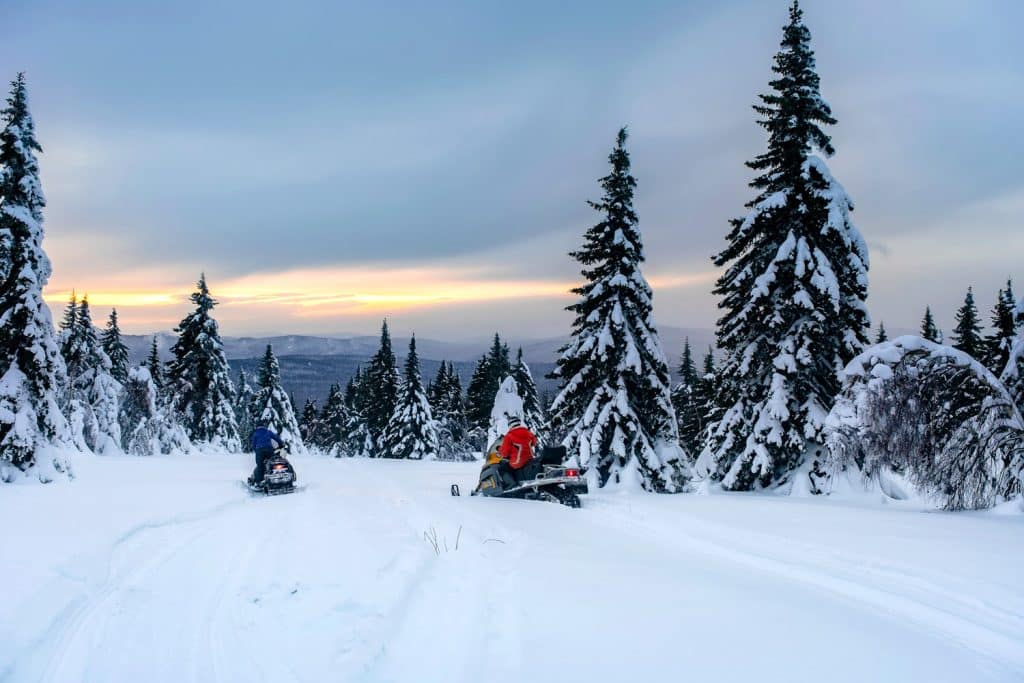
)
(935, 415)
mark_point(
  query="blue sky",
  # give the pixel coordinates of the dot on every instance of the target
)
(327, 163)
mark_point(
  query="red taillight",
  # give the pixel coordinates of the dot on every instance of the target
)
(572, 473)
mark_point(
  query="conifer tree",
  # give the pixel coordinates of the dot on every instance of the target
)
(615, 405)
(155, 366)
(794, 288)
(31, 367)
(449, 413)
(706, 391)
(244, 404)
(928, 329)
(1012, 375)
(309, 423)
(882, 336)
(115, 348)
(412, 433)
(685, 397)
(95, 394)
(533, 414)
(379, 392)
(967, 333)
(492, 368)
(1004, 330)
(332, 433)
(147, 428)
(198, 377)
(272, 406)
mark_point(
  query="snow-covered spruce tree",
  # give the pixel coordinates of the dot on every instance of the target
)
(507, 403)
(147, 427)
(794, 288)
(95, 396)
(967, 333)
(272, 407)
(412, 433)
(882, 335)
(928, 329)
(615, 406)
(378, 391)
(115, 348)
(31, 367)
(445, 396)
(1013, 374)
(333, 423)
(244, 404)
(686, 401)
(155, 367)
(931, 414)
(533, 414)
(198, 378)
(1004, 330)
(67, 338)
(358, 439)
(309, 423)
(491, 369)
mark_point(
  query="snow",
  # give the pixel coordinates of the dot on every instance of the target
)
(165, 569)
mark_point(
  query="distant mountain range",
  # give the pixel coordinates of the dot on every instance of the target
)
(310, 364)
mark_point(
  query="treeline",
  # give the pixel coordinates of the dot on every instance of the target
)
(385, 413)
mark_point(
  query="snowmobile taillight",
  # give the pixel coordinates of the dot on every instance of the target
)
(572, 473)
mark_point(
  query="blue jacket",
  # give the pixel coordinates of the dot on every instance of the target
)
(264, 438)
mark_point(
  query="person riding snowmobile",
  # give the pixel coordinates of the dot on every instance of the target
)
(264, 442)
(513, 453)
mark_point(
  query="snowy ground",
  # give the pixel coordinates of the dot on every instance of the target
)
(165, 569)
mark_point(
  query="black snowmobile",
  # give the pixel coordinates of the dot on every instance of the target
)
(546, 478)
(278, 476)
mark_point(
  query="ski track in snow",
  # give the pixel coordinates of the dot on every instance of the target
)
(165, 569)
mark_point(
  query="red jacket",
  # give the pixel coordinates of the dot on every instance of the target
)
(517, 447)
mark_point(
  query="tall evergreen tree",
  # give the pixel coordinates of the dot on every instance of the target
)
(533, 414)
(928, 329)
(794, 288)
(492, 368)
(115, 348)
(31, 367)
(882, 336)
(155, 366)
(412, 433)
(685, 400)
(334, 423)
(244, 405)
(1004, 330)
(1012, 375)
(309, 423)
(615, 405)
(379, 391)
(95, 395)
(967, 333)
(198, 377)
(272, 406)
(449, 413)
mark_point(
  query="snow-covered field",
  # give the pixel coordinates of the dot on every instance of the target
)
(165, 569)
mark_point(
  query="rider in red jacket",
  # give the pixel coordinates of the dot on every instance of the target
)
(517, 446)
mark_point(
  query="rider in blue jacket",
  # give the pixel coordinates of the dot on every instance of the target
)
(264, 443)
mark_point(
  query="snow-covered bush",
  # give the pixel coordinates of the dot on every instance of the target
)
(931, 413)
(147, 427)
(1013, 374)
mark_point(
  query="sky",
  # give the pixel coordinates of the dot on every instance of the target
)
(327, 164)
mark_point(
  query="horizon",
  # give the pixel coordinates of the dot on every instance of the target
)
(444, 193)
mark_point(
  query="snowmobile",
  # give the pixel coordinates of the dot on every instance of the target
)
(278, 476)
(546, 479)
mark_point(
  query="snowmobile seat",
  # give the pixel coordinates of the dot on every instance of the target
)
(552, 455)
